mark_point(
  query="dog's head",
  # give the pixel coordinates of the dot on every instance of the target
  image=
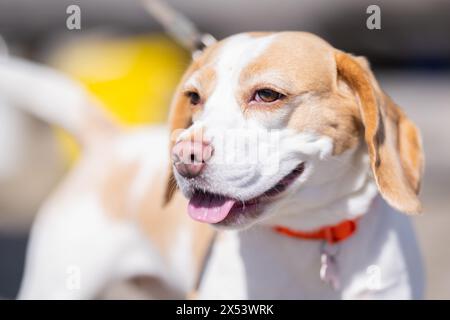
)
(260, 121)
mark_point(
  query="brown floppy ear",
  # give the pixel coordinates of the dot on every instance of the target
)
(393, 141)
(180, 118)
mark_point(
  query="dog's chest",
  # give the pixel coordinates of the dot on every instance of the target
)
(380, 260)
(260, 264)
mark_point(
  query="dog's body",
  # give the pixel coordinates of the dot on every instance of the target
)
(107, 221)
(112, 227)
(113, 240)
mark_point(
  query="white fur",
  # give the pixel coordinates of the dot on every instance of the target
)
(260, 264)
(253, 263)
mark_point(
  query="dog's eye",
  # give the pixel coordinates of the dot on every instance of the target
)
(267, 95)
(194, 97)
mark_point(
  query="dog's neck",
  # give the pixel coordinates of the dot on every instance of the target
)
(330, 202)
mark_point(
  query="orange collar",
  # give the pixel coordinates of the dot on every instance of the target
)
(332, 234)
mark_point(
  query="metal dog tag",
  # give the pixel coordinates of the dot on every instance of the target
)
(328, 269)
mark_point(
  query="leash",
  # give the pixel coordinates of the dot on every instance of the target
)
(4, 52)
(179, 26)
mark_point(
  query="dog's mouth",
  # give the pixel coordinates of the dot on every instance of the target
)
(215, 208)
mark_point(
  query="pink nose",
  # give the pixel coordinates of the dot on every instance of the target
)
(189, 157)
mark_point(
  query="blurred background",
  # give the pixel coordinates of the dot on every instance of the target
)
(123, 57)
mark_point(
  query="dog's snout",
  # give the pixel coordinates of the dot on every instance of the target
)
(190, 157)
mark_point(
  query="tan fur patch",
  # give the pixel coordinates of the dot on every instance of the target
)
(334, 117)
(160, 224)
(392, 140)
(114, 191)
(309, 68)
(163, 224)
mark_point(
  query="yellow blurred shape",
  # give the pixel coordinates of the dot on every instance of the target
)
(134, 77)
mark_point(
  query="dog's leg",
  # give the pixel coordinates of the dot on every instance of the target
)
(75, 253)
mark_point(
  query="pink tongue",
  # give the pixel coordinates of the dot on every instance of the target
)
(208, 208)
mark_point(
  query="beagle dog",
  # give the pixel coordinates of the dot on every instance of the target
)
(285, 145)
